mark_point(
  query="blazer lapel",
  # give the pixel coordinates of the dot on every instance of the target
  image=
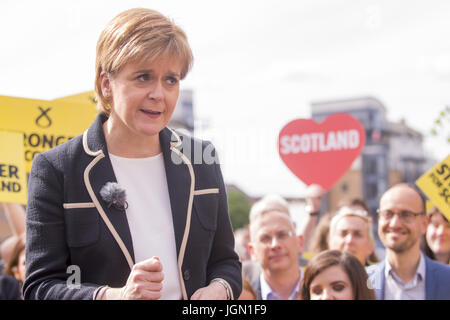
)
(100, 173)
(430, 281)
(178, 182)
(382, 292)
(376, 276)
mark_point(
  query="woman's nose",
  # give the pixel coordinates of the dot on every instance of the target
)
(349, 238)
(326, 295)
(440, 230)
(156, 91)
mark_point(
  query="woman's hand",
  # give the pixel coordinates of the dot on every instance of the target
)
(214, 291)
(144, 283)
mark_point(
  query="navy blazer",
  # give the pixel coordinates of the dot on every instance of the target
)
(9, 288)
(437, 280)
(70, 227)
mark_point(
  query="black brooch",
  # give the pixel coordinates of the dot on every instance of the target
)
(114, 195)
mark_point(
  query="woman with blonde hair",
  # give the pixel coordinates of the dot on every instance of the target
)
(121, 212)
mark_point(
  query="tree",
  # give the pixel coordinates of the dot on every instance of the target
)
(239, 208)
(441, 124)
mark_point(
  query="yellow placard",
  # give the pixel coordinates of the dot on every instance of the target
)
(45, 124)
(13, 176)
(436, 185)
(84, 97)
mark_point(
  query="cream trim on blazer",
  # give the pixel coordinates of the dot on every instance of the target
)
(79, 205)
(98, 156)
(206, 191)
(173, 147)
(192, 193)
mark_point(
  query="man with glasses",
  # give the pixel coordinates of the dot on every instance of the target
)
(406, 274)
(274, 244)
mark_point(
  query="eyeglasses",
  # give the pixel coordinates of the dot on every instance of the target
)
(280, 236)
(404, 216)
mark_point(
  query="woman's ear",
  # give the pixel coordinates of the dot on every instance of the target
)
(15, 271)
(105, 84)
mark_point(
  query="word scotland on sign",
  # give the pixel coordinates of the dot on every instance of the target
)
(319, 142)
(321, 153)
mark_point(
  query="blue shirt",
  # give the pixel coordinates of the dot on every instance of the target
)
(395, 289)
(268, 294)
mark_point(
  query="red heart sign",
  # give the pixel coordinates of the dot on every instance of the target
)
(321, 153)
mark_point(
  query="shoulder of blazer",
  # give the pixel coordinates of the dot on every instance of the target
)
(437, 280)
(375, 268)
(74, 149)
(65, 152)
(434, 268)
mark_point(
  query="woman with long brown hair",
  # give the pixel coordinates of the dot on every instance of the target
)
(335, 275)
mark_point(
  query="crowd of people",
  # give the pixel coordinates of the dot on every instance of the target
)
(12, 254)
(343, 263)
(339, 262)
(135, 216)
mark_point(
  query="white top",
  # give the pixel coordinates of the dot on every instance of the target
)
(149, 215)
(395, 289)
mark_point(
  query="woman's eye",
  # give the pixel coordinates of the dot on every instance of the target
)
(143, 77)
(172, 80)
(338, 287)
(317, 290)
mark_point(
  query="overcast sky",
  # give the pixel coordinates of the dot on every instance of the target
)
(258, 65)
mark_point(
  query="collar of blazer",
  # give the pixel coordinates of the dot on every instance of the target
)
(180, 180)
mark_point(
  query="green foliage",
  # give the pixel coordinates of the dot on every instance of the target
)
(441, 124)
(239, 208)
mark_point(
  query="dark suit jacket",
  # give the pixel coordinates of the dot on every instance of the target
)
(437, 280)
(69, 224)
(9, 288)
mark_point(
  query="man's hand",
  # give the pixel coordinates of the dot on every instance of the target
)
(214, 291)
(314, 194)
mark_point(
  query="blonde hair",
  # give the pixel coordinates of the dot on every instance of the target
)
(348, 211)
(255, 222)
(269, 203)
(133, 35)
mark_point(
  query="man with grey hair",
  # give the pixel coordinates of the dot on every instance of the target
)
(275, 246)
(269, 202)
(351, 232)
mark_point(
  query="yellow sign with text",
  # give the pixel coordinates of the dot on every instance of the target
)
(13, 176)
(436, 185)
(45, 124)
